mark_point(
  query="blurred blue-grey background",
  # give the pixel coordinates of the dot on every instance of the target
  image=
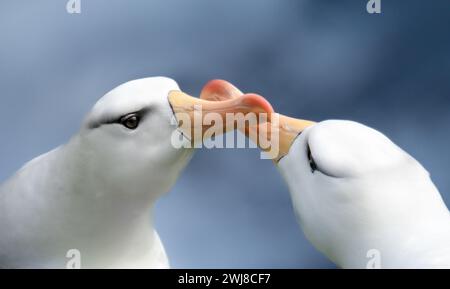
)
(312, 59)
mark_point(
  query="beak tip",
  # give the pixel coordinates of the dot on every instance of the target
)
(256, 100)
(218, 89)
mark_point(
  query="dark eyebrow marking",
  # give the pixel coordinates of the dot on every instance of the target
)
(110, 119)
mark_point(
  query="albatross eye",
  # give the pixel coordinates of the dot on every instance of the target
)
(130, 121)
(312, 163)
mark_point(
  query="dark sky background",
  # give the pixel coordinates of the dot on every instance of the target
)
(311, 59)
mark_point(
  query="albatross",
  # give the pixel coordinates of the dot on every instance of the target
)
(96, 193)
(360, 199)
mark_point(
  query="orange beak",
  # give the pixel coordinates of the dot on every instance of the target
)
(196, 115)
(284, 128)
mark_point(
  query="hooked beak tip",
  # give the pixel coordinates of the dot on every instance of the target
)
(256, 100)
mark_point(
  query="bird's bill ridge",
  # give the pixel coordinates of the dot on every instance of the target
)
(194, 115)
(285, 128)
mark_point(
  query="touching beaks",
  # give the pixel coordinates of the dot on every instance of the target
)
(196, 115)
(285, 128)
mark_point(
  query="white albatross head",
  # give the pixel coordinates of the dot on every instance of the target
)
(354, 190)
(128, 137)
